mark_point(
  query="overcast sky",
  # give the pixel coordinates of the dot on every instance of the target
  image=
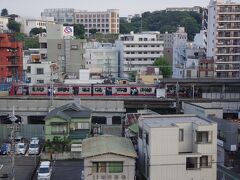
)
(33, 8)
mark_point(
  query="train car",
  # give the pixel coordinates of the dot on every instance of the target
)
(82, 90)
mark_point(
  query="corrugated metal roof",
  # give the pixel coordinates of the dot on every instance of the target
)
(108, 144)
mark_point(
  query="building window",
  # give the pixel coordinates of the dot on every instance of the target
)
(82, 125)
(74, 47)
(40, 71)
(29, 69)
(40, 81)
(191, 163)
(99, 167)
(115, 167)
(147, 138)
(59, 46)
(203, 137)
(59, 129)
(140, 132)
(181, 135)
(204, 161)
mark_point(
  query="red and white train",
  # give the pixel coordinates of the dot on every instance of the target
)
(82, 90)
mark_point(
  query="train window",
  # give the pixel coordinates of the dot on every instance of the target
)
(63, 89)
(38, 89)
(86, 89)
(98, 89)
(121, 89)
(147, 90)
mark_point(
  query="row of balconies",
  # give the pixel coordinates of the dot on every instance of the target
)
(228, 19)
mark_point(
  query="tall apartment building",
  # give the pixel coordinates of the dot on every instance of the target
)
(168, 47)
(137, 51)
(179, 52)
(61, 15)
(102, 59)
(63, 50)
(223, 38)
(103, 21)
(11, 57)
(182, 147)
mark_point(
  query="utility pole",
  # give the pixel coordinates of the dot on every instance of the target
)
(177, 99)
(13, 118)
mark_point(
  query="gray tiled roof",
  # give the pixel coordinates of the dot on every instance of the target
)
(108, 144)
(68, 111)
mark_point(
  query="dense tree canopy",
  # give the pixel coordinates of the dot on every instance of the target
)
(35, 31)
(14, 26)
(164, 66)
(164, 22)
(4, 12)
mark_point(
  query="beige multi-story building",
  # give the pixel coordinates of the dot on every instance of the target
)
(103, 21)
(177, 147)
(224, 37)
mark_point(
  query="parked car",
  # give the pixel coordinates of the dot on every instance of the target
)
(82, 175)
(21, 148)
(5, 149)
(44, 171)
(33, 148)
(34, 141)
(19, 139)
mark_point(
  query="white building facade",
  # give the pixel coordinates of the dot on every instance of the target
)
(3, 24)
(137, 51)
(36, 23)
(60, 15)
(179, 52)
(177, 147)
(102, 59)
(223, 37)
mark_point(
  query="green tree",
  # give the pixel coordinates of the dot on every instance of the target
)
(14, 26)
(35, 31)
(4, 12)
(164, 66)
(93, 31)
(191, 26)
(79, 31)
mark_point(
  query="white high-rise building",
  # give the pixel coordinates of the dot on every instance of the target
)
(179, 52)
(223, 43)
(102, 59)
(137, 51)
(61, 15)
(177, 147)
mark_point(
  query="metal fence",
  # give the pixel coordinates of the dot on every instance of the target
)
(226, 174)
(25, 130)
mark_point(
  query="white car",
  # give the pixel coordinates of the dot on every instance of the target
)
(44, 171)
(33, 148)
(21, 148)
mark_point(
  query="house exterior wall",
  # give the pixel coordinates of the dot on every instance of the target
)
(201, 111)
(128, 167)
(71, 126)
(167, 155)
(3, 24)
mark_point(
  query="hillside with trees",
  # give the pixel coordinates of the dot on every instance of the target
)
(164, 22)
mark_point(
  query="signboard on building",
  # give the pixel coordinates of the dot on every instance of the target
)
(68, 31)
